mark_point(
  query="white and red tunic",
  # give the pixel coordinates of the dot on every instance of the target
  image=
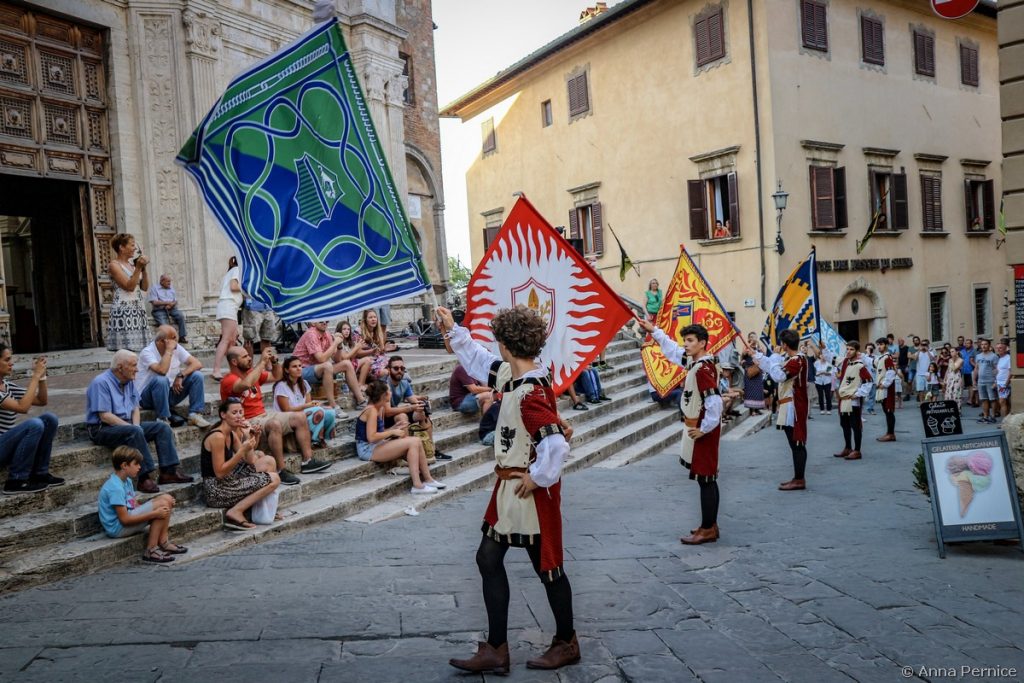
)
(528, 437)
(790, 372)
(885, 371)
(701, 405)
(854, 383)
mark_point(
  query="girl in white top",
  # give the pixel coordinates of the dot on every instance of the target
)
(230, 301)
(824, 374)
(291, 395)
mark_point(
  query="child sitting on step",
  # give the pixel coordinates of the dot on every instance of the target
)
(122, 516)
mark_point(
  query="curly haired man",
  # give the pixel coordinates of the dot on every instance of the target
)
(525, 507)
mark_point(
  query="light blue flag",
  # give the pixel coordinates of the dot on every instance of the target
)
(290, 164)
(796, 306)
(831, 341)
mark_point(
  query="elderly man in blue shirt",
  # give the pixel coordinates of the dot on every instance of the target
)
(113, 418)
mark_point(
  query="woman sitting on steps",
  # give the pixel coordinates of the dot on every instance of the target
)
(235, 474)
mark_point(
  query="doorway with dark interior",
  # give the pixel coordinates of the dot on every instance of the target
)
(44, 243)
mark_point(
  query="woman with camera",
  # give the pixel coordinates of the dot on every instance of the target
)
(127, 327)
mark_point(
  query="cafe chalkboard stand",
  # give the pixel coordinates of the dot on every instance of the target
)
(973, 490)
(941, 418)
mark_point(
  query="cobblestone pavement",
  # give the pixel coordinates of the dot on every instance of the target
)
(839, 582)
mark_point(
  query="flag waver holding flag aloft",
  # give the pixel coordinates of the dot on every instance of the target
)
(689, 300)
(796, 306)
(529, 263)
(290, 164)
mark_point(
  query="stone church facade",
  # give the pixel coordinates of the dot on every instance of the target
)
(96, 99)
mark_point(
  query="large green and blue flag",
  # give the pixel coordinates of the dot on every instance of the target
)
(290, 164)
(796, 306)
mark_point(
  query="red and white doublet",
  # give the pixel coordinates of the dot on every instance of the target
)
(885, 371)
(528, 437)
(701, 405)
(790, 373)
(854, 383)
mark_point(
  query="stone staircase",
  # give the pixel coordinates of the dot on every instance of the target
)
(51, 535)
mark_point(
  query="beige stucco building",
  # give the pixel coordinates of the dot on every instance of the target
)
(658, 118)
(96, 99)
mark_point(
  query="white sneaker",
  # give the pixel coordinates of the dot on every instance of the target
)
(197, 420)
(437, 484)
(340, 414)
(424, 490)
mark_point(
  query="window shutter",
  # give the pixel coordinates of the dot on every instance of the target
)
(814, 25)
(716, 36)
(822, 192)
(927, 217)
(968, 65)
(489, 139)
(574, 224)
(930, 54)
(807, 23)
(872, 42)
(820, 27)
(702, 41)
(839, 191)
(969, 203)
(579, 101)
(595, 216)
(489, 235)
(698, 210)
(988, 194)
(734, 205)
(899, 216)
(924, 54)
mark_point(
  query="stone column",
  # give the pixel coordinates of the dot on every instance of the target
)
(396, 86)
(202, 50)
(440, 245)
(156, 45)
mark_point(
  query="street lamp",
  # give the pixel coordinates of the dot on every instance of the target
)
(779, 196)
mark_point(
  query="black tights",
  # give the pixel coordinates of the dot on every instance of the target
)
(799, 454)
(824, 396)
(490, 558)
(708, 503)
(850, 422)
(890, 421)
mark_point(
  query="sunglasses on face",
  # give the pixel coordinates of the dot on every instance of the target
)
(398, 368)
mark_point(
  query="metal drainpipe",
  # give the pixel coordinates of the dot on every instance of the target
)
(757, 148)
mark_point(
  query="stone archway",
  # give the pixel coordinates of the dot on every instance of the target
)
(424, 185)
(860, 307)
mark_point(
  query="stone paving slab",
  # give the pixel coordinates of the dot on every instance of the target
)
(837, 583)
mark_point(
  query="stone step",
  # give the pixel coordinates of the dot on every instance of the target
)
(430, 378)
(472, 467)
(71, 511)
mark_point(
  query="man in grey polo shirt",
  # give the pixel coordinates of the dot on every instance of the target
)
(985, 379)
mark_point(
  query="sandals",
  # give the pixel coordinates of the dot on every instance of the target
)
(173, 549)
(580, 406)
(232, 525)
(157, 556)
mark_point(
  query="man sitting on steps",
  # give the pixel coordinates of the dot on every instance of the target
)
(245, 381)
(168, 374)
(407, 406)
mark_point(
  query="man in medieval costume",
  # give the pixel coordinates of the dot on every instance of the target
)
(530, 448)
(854, 385)
(788, 368)
(701, 406)
(885, 394)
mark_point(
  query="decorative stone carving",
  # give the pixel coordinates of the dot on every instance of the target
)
(396, 90)
(202, 33)
(375, 83)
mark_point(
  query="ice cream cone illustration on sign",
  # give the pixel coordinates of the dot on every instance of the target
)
(971, 474)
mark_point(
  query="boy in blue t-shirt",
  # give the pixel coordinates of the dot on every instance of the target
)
(122, 516)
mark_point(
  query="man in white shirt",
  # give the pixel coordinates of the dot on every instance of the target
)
(1003, 378)
(168, 374)
(924, 358)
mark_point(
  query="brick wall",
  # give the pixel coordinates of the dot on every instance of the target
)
(421, 124)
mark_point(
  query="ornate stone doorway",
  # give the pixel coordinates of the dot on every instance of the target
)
(53, 126)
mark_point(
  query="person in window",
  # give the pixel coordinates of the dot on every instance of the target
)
(720, 232)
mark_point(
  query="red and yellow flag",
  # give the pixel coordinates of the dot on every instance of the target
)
(689, 300)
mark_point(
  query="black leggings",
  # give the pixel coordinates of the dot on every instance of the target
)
(708, 503)
(490, 558)
(850, 422)
(890, 421)
(799, 454)
(824, 396)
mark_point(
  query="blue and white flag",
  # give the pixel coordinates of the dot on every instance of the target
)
(290, 164)
(796, 306)
(831, 341)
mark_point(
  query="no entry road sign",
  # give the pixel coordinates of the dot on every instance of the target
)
(953, 9)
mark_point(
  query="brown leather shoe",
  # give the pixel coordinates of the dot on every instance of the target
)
(175, 477)
(886, 437)
(699, 536)
(854, 455)
(714, 528)
(793, 485)
(842, 454)
(488, 659)
(147, 485)
(558, 655)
